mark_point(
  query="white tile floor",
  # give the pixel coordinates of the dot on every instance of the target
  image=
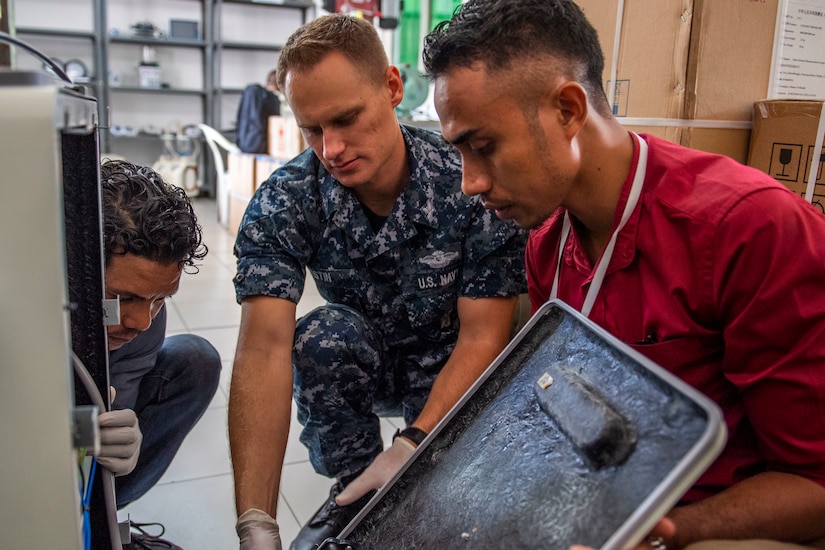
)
(194, 499)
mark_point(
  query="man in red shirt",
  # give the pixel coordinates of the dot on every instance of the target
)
(710, 268)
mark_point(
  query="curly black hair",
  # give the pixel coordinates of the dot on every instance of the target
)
(145, 216)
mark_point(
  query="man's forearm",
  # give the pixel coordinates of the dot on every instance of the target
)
(770, 505)
(453, 382)
(259, 416)
(480, 341)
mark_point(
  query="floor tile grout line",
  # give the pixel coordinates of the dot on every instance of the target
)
(191, 479)
(289, 506)
(180, 316)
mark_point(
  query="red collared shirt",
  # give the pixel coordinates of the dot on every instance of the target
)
(719, 277)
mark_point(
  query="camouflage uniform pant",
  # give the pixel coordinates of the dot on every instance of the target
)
(345, 378)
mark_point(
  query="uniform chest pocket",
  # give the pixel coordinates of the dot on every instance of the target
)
(431, 297)
(434, 271)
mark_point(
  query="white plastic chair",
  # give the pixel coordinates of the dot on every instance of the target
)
(216, 141)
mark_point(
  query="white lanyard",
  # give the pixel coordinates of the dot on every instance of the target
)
(604, 261)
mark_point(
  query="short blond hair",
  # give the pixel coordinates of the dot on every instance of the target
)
(355, 38)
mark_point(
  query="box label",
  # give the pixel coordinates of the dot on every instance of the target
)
(799, 50)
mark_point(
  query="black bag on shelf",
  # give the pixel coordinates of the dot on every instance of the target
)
(256, 106)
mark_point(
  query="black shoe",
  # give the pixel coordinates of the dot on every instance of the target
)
(142, 540)
(328, 521)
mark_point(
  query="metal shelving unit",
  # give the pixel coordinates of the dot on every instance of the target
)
(95, 38)
(203, 45)
(164, 43)
(223, 45)
(89, 35)
(212, 44)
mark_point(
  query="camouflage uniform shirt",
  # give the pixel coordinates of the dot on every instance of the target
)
(436, 245)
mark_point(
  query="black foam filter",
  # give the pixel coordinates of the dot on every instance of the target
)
(80, 161)
(84, 256)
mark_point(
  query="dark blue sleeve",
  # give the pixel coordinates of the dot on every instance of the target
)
(128, 364)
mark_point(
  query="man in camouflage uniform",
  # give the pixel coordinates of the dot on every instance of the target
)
(421, 284)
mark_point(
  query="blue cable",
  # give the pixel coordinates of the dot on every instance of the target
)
(86, 504)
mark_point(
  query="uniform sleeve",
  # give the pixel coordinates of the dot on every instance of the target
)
(770, 280)
(272, 244)
(494, 252)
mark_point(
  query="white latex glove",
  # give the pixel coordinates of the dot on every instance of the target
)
(120, 439)
(258, 531)
(378, 473)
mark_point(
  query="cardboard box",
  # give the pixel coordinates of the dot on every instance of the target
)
(731, 48)
(784, 144)
(680, 63)
(264, 166)
(285, 138)
(729, 62)
(732, 143)
(237, 208)
(651, 59)
(240, 169)
(721, 87)
(690, 59)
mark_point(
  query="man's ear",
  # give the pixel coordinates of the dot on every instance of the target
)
(571, 100)
(395, 85)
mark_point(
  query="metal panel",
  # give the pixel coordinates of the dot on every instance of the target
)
(39, 476)
(569, 437)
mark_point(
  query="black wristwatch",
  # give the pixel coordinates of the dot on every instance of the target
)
(415, 435)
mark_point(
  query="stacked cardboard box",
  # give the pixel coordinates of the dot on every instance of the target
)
(246, 173)
(645, 46)
(264, 166)
(687, 70)
(729, 67)
(285, 138)
(240, 168)
(787, 144)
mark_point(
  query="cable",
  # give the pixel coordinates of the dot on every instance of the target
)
(108, 479)
(58, 70)
(86, 502)
(88, 382)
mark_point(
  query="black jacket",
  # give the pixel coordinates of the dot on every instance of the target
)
(256, 106)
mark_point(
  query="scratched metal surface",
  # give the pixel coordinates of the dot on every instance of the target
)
(504, 474)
